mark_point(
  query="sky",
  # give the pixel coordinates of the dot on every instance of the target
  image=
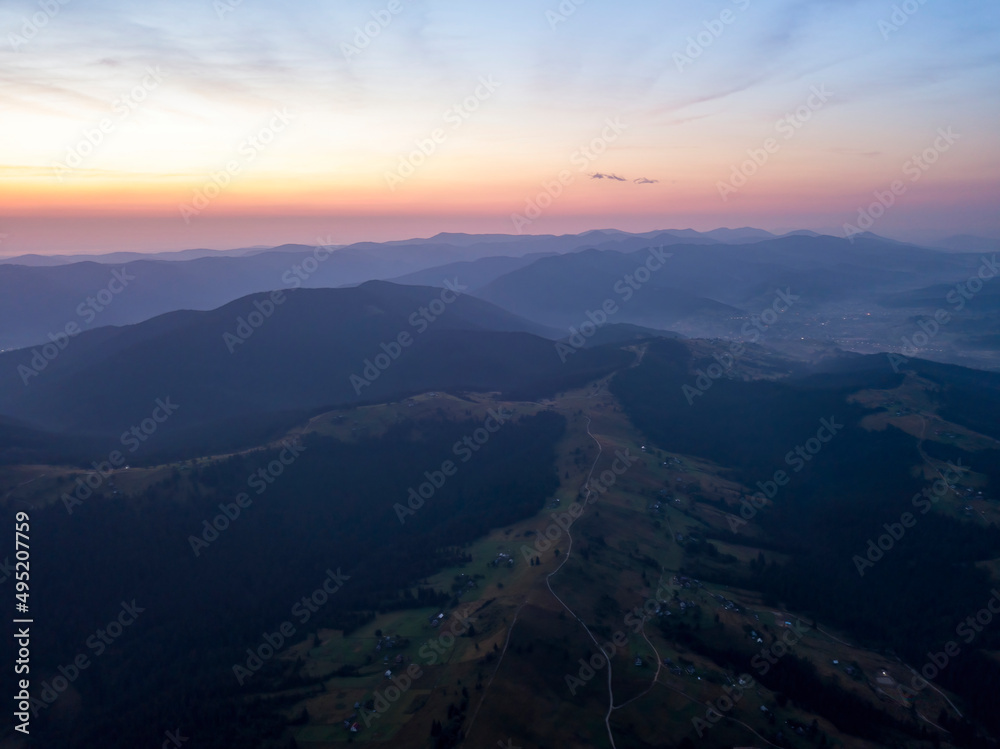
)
(231, 123)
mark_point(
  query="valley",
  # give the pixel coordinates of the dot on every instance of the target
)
(622, 611)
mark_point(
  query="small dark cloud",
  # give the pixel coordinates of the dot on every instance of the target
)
(598, 175)
(864, 154)
(645, 181)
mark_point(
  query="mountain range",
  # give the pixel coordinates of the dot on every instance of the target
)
(521, 461)
(712, 277)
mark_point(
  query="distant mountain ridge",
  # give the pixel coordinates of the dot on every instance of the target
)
(713, 282)
(42, 295)
(706, 289)
(114, 258)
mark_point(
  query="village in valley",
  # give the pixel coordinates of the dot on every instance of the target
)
(536, 599)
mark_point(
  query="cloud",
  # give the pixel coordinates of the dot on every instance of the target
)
(617, 178)
(855, 152)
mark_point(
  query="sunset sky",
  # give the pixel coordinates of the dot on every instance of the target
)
(312, 124)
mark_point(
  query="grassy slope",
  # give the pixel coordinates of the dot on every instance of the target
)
(623, 551)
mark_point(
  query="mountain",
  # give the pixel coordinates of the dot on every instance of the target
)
(41, 297)
(622, 333)
(38, 301)
(986, 300)
(708, 543)
(254, 364)
(743, 235)
(461, 239)
(715, 504)
(560, 291)
(114, 258)
(969, 243)
(474, 273)
(711, 289)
